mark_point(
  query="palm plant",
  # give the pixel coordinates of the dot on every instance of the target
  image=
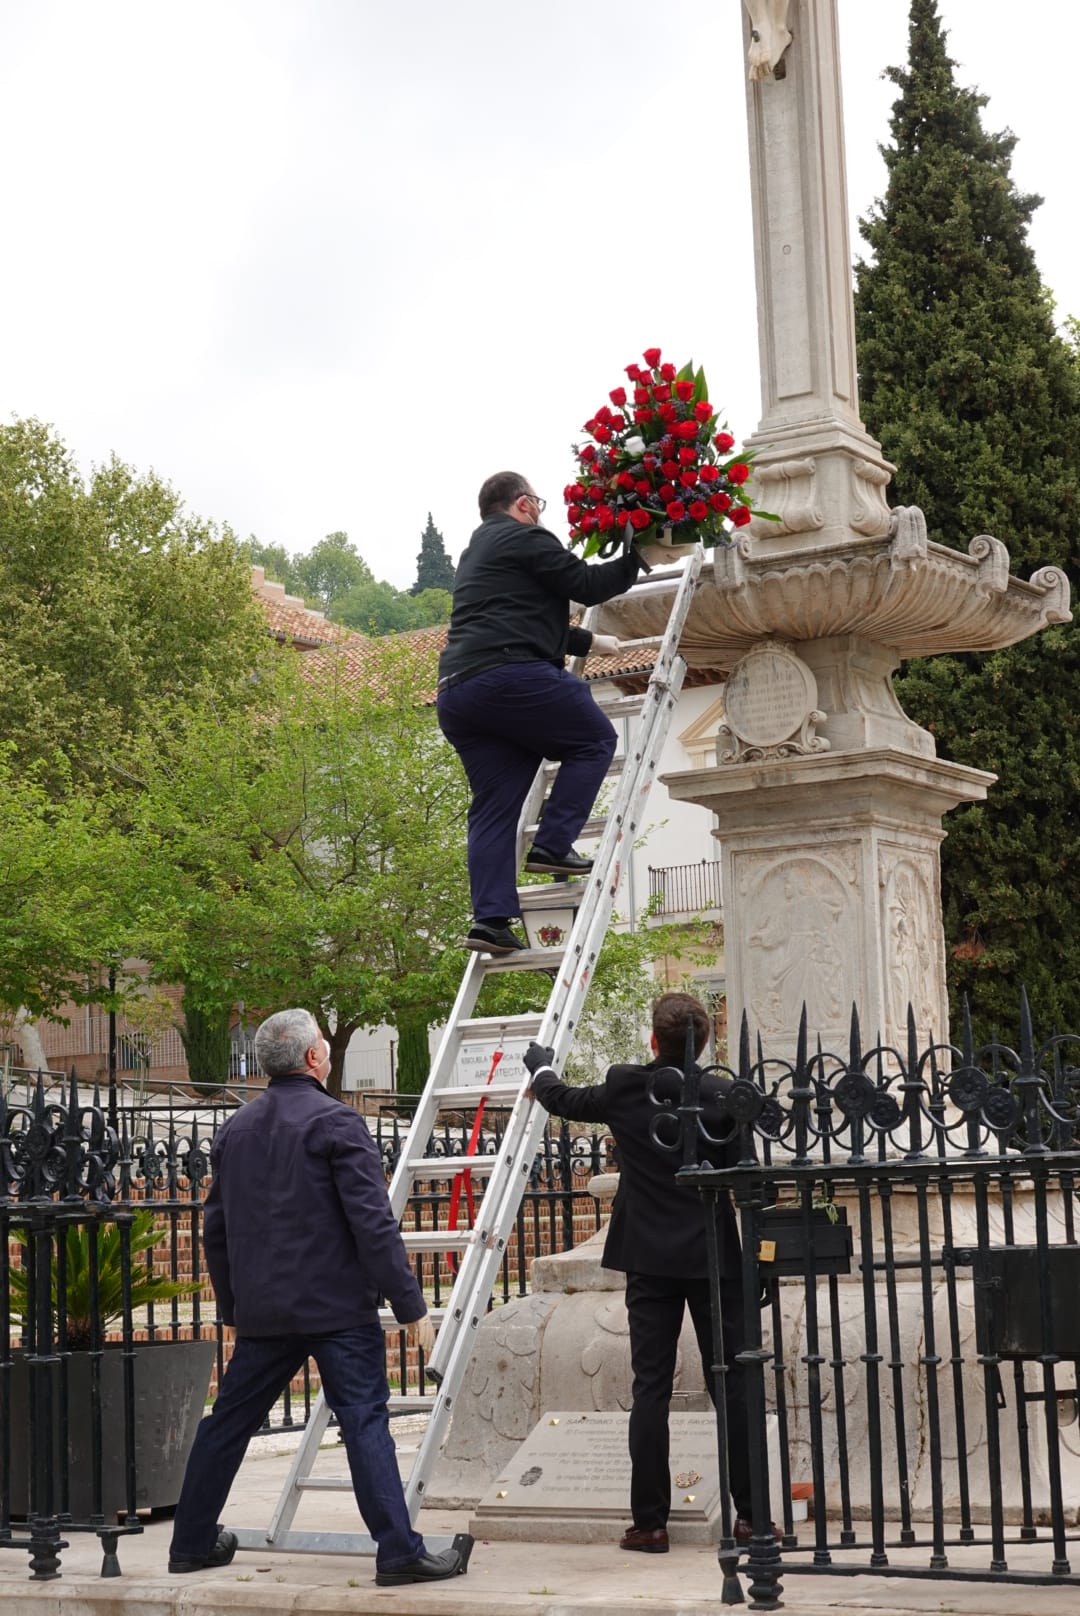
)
(106, 1300)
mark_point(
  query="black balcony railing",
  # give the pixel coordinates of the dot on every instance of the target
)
(685, 889)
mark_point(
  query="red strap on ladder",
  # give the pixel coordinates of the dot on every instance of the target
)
(464, 1176)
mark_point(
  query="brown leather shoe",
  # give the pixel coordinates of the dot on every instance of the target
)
(637, 1537)
(744, 1531)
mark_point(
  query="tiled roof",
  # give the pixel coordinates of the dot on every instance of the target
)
(289, 619)
(361, 663)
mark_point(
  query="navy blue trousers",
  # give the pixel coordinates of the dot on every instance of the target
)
(352, 1365)
(503, 724)
(655, 1305)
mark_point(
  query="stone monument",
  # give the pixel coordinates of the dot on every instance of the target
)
(829, 799)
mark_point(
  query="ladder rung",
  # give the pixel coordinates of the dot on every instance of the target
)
(493, 1027)
(558, 895)
(388, 1321)
(436, 1239)
(450, 1166)
(468, 1095)
(591, 827)
(414, 1404)
(527, 959)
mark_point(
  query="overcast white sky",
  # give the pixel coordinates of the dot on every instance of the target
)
(326, 263)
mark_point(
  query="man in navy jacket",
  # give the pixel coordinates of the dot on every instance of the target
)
(506, 702)
(657, 1237)
(301, 1243)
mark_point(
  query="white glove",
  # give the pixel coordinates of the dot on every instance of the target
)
(605, 645)
(423, 1332)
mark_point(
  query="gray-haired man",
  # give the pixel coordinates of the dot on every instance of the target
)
(301, 1243)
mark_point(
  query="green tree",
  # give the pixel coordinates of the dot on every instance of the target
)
(275, 561)
(115, 604)
(330, 569)
(977, 400)
(379, 608)
(434, 569)
(205, 1037)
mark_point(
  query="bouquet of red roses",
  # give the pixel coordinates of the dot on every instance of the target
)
(657, 460)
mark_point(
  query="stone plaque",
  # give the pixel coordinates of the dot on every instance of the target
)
(570, 1481)
(770, 696)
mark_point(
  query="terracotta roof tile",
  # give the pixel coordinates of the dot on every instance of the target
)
(289, 619)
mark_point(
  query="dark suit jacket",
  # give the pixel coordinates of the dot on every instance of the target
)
(657, 1224)
(298, 1231)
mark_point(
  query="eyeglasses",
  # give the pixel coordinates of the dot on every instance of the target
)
(541, 504)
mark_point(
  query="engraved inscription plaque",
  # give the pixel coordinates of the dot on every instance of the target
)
(770, 696)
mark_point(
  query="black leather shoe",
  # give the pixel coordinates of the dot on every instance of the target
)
(425, 1568)
(540, 862)
(492, 940)
(639, 1537)
(220, 1555)
(744, 1531)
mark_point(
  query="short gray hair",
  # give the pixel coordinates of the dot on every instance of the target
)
(284, 1039)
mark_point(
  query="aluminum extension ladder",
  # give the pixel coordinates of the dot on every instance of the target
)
(482, 1247)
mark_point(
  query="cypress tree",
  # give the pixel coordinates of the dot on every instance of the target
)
(434, 569)
(977, 400)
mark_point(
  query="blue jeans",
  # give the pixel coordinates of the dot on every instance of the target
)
(352, 1365)
(503, 724)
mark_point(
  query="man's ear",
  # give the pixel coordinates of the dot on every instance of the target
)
(653, 1045)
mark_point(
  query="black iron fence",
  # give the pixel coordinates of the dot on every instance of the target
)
(910, 1230)
(110, 1340)
(685, 889)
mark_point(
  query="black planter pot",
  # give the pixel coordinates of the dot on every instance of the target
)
(782, 1242)
(1010, 1321)
(171, 1382)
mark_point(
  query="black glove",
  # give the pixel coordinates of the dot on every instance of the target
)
(536, 1057)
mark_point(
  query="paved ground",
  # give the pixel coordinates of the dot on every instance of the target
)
(518, 1579)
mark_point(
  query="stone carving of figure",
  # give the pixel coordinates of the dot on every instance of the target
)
(770, 35)
(799, 959)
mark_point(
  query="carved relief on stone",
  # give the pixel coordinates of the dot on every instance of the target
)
(770, 703)
(770, 36)
(911, 930)
(869, 514)
(787, 488)
(803, 939)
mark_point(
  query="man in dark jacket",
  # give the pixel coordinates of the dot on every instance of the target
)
(301, 1243)
(506, 702)
(657, 1237)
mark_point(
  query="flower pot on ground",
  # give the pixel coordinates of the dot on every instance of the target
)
(782, 1244)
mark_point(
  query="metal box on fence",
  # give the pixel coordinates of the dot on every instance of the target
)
(781, 1238)
(1012, 1319)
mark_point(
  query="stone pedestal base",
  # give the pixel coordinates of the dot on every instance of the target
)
(832, 891)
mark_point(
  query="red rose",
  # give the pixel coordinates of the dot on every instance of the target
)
(667, 412)
(666, 492)
(625, 480)
(587, 454)
(641, 395)
(573, 513)
(649, 462)
(618, 395)
(688, 479)
(651, 357)
(703, 410)
(724, 441)
(588, 523)
(720, 502)
(661, 392)
(699, 510)
(687, 457)
(602, 434)
(738, 473)
(667, 373)
(709, 474)
(622, 518)
(670, 469)
(685, 429)
(590, 424)
(605, 517)
(603, 415)
(618, 422)
(676, 511)
(685, 391)
(644, 488)
(641, 416)
(634, 372)
(740, 515)
(640, 519)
